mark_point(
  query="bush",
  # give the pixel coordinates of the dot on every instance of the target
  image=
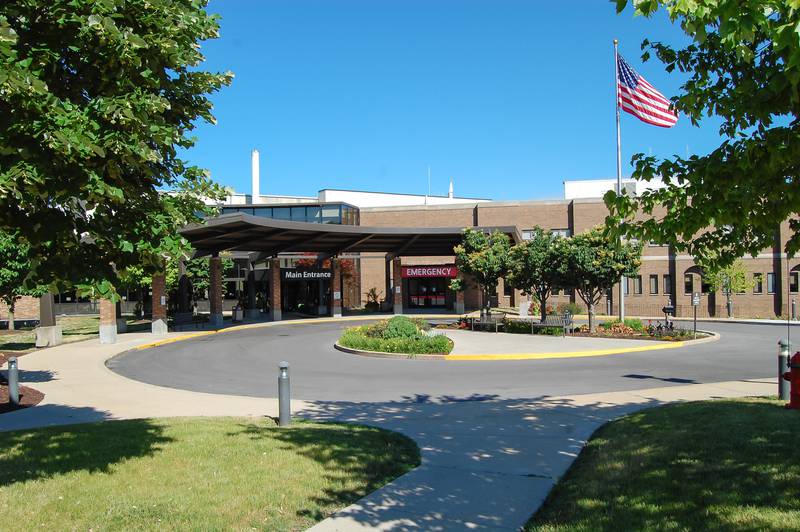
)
(517, 327)
(631, 323)
(396, 335)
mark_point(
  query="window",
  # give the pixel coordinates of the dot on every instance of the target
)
(654, 284)
(555, 292)
(281, 213)
(770, 283)
(793, 282)
(626, 287)
(705, 287)
(758, 283)
(560, 232)
(508, 290)
(637, 285)
(527, 234)
(688, 284)
(331, 214)
(667, 284)
(298, 214)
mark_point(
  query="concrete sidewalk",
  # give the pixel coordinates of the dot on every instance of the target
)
(489, 465)
(79, 388)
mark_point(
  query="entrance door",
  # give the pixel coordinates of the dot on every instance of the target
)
(306, 297)
(427, 292)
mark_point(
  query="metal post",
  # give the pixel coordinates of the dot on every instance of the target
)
(783, 367)
(794, 309)
(284, 396)
(622, 281)
(13, 381)
(695, 321)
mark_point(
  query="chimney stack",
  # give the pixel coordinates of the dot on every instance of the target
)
(450, 191)
(256, 192)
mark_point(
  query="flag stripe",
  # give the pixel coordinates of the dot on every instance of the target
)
(639, 98)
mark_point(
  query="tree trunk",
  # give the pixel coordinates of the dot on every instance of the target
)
(729, 304)
(543, 304)
(11, 326)
(591, 317)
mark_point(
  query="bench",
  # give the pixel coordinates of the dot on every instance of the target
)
(490, 318)
(563, 322)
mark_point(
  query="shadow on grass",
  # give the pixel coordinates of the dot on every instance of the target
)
(17, 346)
(371, 456)
(719, 465)
(41, 453)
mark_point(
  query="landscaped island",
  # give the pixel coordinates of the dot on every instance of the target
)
(192, 473)
(397, 335)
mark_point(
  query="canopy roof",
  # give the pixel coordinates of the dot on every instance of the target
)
(269, 236)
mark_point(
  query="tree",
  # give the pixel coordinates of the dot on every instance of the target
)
(97, 100)
(484, 256)
(743, 66)
(731, 279)
(533, 266)
(14, 269)
(593, 263)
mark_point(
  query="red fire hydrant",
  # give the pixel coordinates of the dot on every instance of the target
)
(793, 376)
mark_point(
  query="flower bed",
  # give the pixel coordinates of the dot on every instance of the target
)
(397, 335)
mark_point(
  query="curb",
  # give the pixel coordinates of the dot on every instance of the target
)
(384, 354)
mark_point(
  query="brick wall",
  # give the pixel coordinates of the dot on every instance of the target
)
(26, 308)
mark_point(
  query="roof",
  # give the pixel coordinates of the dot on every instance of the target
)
(268, 236)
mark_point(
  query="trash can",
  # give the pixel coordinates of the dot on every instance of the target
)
(238, 313)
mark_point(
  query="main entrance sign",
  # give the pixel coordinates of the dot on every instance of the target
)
(305, 275)
(415, 272)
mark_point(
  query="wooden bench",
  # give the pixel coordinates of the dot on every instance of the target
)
(488, 319)
(563, 321)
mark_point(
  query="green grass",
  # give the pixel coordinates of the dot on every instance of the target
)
(396, 335)
(192, 474)
(713, 465)
(74, 329)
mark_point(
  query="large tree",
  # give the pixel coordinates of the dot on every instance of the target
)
(593, 263)
(743, 66)
(731, 279)
(483, 256)
(96, 101)
(533, 266)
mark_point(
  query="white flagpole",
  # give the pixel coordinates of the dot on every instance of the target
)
(622, 280)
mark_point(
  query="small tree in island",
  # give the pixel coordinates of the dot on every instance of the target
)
(594, 261)
(534, 266)
(484, 256)
(732, 279)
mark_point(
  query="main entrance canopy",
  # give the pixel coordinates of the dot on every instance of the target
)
(269, 237)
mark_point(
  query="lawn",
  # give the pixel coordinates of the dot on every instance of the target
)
(192, 473)
(74, 329)
(714, 465)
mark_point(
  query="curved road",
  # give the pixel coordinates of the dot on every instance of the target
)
(245, 363)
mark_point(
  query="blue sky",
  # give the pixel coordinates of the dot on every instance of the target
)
(507, 97)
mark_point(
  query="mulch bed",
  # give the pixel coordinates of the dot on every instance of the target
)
(27, 397)
(633, 337)
(5, 356)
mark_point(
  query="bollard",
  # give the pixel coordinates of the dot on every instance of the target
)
(13, 381)
(284, 396)
(783, 367)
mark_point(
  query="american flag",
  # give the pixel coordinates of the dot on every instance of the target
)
(637, 97)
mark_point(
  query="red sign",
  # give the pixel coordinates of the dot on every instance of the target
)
(449, 271)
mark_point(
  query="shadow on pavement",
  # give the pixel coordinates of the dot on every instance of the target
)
(486, 463)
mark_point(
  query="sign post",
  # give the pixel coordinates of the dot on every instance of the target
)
(695, 304)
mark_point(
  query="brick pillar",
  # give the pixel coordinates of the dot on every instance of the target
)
(48, 334)
(159, 321)
(108, 322)
(459, 305)
(397, 289)
(336, 289)
(275, 288)
(215, 291)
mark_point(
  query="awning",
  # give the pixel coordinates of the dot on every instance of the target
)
(269, 236)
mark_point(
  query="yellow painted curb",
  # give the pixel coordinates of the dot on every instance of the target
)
(566, 354)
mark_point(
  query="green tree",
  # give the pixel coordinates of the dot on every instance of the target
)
(14, 269)
(731, 279)
(484, 256)
(743, 66)
(98, 99)
(533, 266)
(594, 261)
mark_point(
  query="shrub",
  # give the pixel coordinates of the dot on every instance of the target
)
(401, 327)
(516, 327)
(633, 324)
